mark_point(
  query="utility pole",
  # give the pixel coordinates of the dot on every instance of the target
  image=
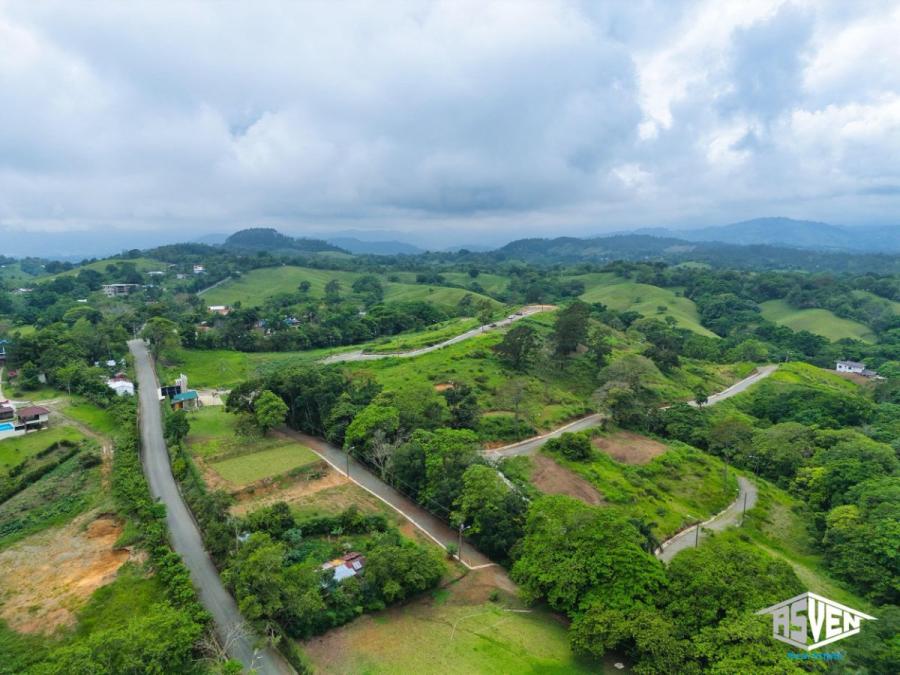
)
(744, 512)
(697, 536)
(349, 450)
(459, 548)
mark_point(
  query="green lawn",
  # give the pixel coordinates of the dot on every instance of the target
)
(819, 321)
(87, 413)
(437, 295)
(142, 265)
(238, 454)
(14, 451)
(621, 295)
(255, 466)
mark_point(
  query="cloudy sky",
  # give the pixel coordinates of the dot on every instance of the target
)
(457, 120)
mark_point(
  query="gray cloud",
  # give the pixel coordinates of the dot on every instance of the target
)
(454, 118)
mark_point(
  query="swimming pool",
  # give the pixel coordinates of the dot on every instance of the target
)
(6, 426)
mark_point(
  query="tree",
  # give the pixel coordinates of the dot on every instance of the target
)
(177, 427)
(373, 419)
(304, 286)
(576, 447)
(161, 334)
(333, 291)
(600, 346)
(485, 312)
(29, 377)
(514, 394)
(701, 398)
(518, 346)
(573, 555)
(570, 328)
(493, 512)
(463, 405)
(269, 411)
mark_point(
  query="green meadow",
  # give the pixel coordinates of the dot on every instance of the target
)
(819, 321)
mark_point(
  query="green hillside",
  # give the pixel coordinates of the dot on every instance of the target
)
(621, 295)
(819, 321)
(254, 287)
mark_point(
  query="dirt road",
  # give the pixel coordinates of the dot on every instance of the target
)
(184, 534)
(512, 318)
(730, 516)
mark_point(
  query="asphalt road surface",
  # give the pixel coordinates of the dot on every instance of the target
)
(362, 356)
(439, 531)
(531, 445)
(730, 516)
(184, 534)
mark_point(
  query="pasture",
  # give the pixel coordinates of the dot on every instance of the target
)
(819, 321)
(651, 301)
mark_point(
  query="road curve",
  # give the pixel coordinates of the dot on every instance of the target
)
(531, 445)
(512, 318)
(746, 499)
(184, 534)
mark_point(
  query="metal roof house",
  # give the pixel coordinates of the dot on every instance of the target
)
(346, 566)
(186, 400)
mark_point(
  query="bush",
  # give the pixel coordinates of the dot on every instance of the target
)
(576, 447)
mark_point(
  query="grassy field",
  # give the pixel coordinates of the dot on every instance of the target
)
(90, 415)
(142, 265)
(651, 301)
(865, 295)
(454, 630)
(238, 454)
(819, 321)
(207, 369)
(14, 451)
(256, 465)
(255, 286)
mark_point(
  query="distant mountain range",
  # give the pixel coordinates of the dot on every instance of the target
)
(360, 247)
(805, 234)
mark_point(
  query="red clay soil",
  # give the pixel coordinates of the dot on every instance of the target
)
(629, 448)
(548, 476)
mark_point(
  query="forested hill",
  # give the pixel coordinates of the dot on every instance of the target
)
(269, 239)
(671, 250)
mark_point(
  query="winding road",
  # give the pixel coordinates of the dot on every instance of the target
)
(746, 500)
(184, 534)
(502, 323)
(531, 445)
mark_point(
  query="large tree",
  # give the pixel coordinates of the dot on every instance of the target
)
(269, 411)
(571, 327)
(519, 346)
(161, 334)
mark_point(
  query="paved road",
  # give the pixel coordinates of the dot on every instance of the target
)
(738, 387)
(531, 445)
(362, 356)
(436, 529)
(183, 532)
(730, 516)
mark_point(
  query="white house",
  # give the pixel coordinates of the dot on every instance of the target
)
(121, 385)
(199, 269)
(850, 367)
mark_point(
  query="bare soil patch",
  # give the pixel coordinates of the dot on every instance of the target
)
(301, 490)
(550, 477)
(443, 386)
(629, 448)
(46, 578)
